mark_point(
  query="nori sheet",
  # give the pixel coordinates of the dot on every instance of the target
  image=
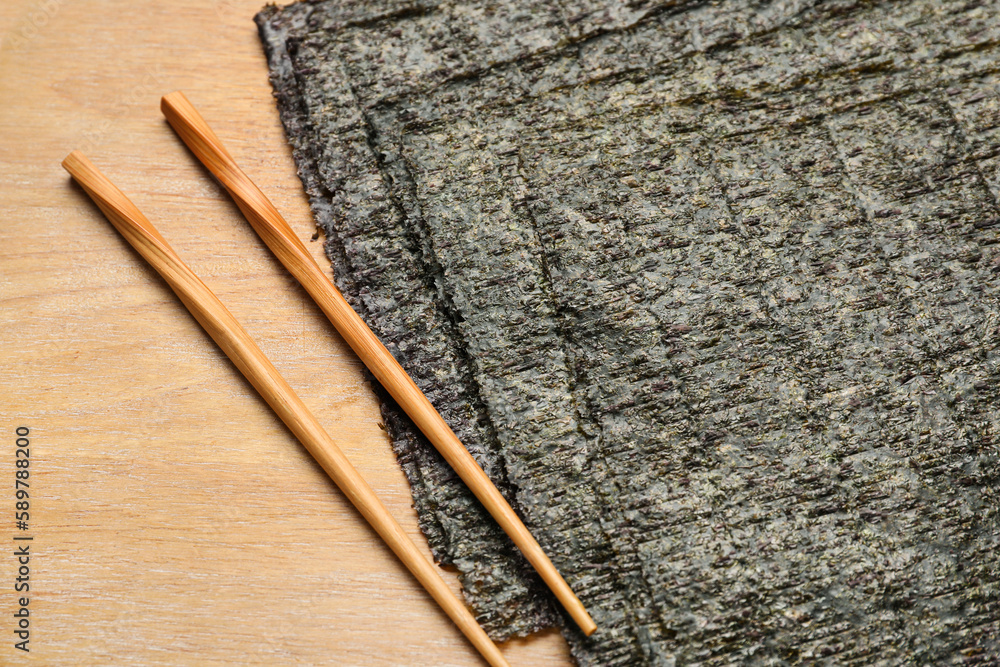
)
(709, 288)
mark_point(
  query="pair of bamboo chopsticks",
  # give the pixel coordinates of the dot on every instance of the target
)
(236, 343)
(238, 346)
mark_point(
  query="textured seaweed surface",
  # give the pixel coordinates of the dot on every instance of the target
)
(709, 288)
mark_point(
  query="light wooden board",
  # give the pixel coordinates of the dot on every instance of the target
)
(174, 519)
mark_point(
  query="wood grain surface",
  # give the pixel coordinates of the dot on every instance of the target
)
(174, 518)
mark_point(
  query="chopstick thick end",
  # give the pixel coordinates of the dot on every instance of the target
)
(72, 161)
(176, 103)
(188, 123)
(119, 209)
(90, 178)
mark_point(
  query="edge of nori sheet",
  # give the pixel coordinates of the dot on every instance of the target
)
(413, 451)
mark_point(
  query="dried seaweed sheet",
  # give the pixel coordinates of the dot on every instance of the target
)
(709, 288)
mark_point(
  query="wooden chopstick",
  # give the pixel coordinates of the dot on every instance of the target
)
(280, 238)
(238, 346)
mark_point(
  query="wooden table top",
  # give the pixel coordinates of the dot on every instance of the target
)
(174, 519)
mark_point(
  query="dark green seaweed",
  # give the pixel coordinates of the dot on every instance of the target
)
(709, 289)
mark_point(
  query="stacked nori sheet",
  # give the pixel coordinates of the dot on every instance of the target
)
(709, 288)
